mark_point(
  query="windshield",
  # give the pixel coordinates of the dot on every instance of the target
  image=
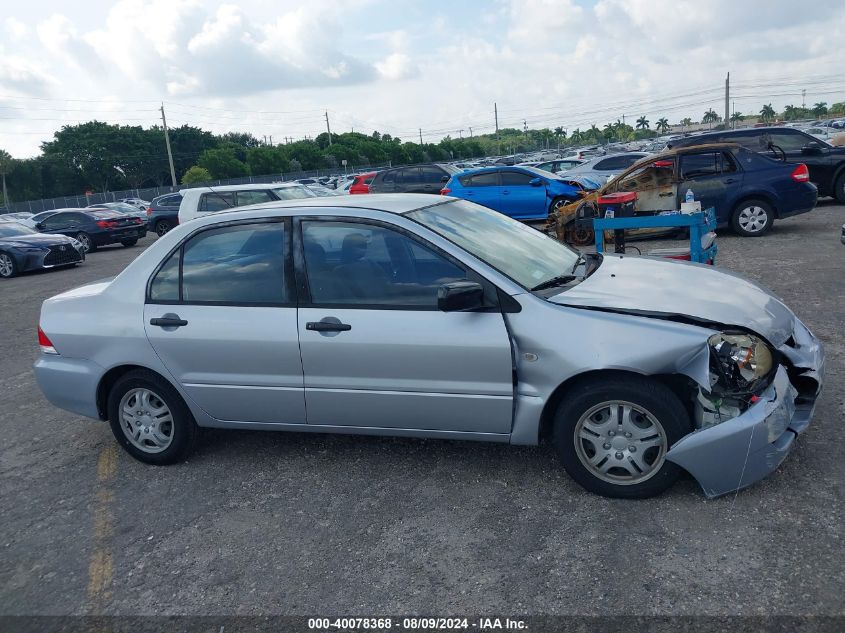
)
(526, 255)
(13, 229)
(294, 193)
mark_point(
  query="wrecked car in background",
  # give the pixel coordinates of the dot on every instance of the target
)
(474, 326)
(748, 191)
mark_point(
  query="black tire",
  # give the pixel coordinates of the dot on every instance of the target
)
(750, 225)
(650, 395)
(8, 267)
(87, 242)
(129, 243)
(162, 227)
(839, 188)
(183, 427)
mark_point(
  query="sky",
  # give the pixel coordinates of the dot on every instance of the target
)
(275, 67)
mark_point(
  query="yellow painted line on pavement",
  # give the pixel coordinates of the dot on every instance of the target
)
(101, 565)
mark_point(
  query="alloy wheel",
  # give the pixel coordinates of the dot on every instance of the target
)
(753, 219)
(162, 228)
(620, 442)
(7, 267)
(146, 420)
(83, 239)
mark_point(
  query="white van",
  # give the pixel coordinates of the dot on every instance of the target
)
(199, 201)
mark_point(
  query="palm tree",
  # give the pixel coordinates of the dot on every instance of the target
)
(609, 131)
(662, 125)
(710, 117)
(686, 122)
(820, 109)
(559, 133)
(642, 123)
(736, 116)
(767, 113)
(594, 132)
(6, 161)
(576, 135)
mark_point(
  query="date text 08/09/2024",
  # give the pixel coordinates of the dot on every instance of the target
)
(415, 623)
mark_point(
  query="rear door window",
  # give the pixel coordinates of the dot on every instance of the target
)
(253, 197)
(216, 201)
(432, 174)
(409, 176)
(700, 165)
(515, 178)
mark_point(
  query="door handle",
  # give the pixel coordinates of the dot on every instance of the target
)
(327, 326)
(168, 321)
(506, 192)
(729, 180)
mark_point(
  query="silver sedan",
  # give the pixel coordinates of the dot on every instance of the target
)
(413, 316)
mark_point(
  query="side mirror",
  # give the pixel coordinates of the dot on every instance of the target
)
(535, 182)
(39, 225)
(460, 296)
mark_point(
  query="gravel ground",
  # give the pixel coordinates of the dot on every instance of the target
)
(277, 523)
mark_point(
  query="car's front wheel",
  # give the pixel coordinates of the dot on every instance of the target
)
(149, 419)
(839, 188)
(8, 268)
(613, 435)
(752, 218)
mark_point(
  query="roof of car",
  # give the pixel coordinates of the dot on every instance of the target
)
(245, 186)
(398, 203)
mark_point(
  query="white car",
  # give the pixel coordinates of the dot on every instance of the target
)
(199, 201)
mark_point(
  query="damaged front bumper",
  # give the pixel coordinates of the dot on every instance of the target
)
(745, 449)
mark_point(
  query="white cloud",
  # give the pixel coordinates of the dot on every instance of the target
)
(397, 66)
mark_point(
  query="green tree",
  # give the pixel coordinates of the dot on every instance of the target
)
(222, 163)
(686, 122)
(736, 117)
(819, 109)
(643, 123)
(266, 160)
(767, 113)
(710, 117)
(6, 163)
(837, 108)
(196, 174)
(662, 125)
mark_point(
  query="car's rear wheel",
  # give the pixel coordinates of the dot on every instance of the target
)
(8, 268)
(149, 419)
(752, 218)
(128, 243)
(613, 435)
(87, 243)
(162, 227)
(839, 188)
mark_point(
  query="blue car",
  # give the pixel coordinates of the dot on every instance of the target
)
(520, 192)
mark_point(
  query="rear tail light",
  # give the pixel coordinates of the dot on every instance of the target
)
(137, 220)
(106, 224)
(44, 343)
(149, 210)
(445, 191)
(801, 173)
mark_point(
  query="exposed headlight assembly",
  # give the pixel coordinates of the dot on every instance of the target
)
(740, 363)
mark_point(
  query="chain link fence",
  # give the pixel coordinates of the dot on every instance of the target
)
(148, 193)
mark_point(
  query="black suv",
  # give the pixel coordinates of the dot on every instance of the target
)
(825, 162)
(417, 179)
(163, 213)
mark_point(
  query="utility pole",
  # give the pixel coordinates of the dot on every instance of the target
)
(461, 134)
(803, 96)
(470, 132)
(167, 142)
(727, 101)
(496, 116)
(421, 137)
(271, 140)
(734, 112)
(328, 128)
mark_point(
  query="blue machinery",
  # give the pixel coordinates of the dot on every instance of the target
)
(701, 226)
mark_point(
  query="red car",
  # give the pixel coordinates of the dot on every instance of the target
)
(361, 184)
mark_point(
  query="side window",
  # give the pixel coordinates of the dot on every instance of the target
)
(165, 285)
(253, 197)
(55, 221)
(616, 162)
(351, 263)
(727, 163)
(432, 174)
(409, 176)
(755, 141)
(649, 176)
(490, 179)
(389, 177)
(790, 142)
(515, 178)
(216, 201)
(699, 165)
(241, 265)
